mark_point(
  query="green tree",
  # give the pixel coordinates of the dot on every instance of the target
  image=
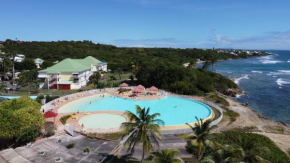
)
(27, 64)
(27, 78)
(165, 156)
(2, 88)
(142, 128)
(20, 122)
(224, 154)
(119, 72)
(46, 64)
(253, 152)
(201, 136)
(206, 65)
(94, 79)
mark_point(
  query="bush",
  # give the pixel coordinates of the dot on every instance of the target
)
(49, 128)
(51, 98)
(112, 78)
(276, 155)
(64, 118)
(71, 145)
(91, 135)
(39, 98)
(87, 150)
(28, 135)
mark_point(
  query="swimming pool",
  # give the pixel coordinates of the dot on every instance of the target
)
(14, 97)
(98, 120)
(173, 110)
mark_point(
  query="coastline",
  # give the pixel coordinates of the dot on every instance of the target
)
(252, 121)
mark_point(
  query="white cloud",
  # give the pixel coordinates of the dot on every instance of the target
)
(268, 40)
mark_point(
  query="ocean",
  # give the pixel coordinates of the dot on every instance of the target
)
(266, 81)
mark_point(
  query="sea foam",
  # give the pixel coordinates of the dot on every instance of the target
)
(281, 82)
(260, 72)
(241, 78)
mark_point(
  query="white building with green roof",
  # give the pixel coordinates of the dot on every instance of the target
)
(70, 73)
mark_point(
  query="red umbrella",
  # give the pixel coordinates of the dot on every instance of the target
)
(141, 87)
(124, 85)
(50, 114)
(138, 90)
(153, 88)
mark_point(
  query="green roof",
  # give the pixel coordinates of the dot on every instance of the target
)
(72, 65)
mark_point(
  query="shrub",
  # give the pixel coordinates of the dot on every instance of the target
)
(28, 135)
(87, 150)
(70, 145)
(276, 155)
(51, 98)
(112, 78)
(91, 135)
(49, 128)
(39, 98)
(64, 118)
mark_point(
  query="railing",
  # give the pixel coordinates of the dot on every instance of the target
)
(52, 104)
(68, 129)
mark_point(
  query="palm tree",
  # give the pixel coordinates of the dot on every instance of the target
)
(224, 154)
(165, 156)
(142, 128)
(253, 152)
(200, 137)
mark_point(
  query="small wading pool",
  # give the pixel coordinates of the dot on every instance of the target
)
(102, 121)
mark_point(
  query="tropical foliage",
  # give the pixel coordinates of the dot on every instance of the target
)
(94, 79)
(200, 136)
(20, 121)
(235, 146)
(165, 156)
(142, 128)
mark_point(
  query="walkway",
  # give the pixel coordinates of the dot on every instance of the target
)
(53, 149)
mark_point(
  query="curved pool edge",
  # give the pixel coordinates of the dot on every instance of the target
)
(110, 113)
(169, 129)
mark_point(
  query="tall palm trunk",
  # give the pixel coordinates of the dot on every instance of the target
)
(199, 150)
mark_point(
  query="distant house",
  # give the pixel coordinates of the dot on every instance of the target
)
(18, 58)
(38, 62)
(70, 73)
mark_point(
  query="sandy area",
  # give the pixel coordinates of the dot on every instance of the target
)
(252, 121)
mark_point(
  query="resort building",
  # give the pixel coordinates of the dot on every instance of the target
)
(38, 62)
(70, 73)
(19, 58)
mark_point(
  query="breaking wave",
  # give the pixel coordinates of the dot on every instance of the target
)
(241, 78)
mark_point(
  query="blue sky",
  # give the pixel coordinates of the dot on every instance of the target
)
(248, 24)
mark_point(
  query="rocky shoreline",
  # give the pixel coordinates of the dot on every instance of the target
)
(252, 121)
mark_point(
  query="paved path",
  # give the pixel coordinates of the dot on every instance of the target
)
(168, 142)
(53, 150)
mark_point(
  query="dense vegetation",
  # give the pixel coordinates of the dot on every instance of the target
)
(181, 80)
(20, 121)
(248, 142)
(117, 58)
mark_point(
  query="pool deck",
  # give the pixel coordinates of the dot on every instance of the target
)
(79, 115)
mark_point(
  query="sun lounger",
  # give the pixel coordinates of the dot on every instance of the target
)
(87, 113)
(73, 116)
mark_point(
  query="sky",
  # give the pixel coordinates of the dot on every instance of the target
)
(239, 24)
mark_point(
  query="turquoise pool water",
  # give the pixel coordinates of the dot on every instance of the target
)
(98, 121)
(13, 97)
(173, 110)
